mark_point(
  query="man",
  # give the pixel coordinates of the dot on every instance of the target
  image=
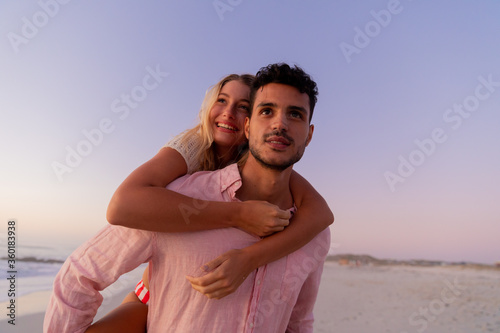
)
(277, 297)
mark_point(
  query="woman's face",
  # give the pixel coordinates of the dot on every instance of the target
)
(227, 116)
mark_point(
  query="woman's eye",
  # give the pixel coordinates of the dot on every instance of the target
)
(221, 100)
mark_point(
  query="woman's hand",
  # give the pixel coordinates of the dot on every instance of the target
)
(262, 218)
(225, 274)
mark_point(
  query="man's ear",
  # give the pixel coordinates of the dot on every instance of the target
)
(310, 134)
(247, 127)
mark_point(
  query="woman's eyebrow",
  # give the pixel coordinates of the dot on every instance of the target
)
(243, 99)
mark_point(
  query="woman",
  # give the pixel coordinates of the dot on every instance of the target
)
(143, 202)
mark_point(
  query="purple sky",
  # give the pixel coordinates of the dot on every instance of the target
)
(406, 143)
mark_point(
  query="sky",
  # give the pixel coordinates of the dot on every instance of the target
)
(406, 142)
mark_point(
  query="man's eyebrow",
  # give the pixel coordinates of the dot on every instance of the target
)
(289, 108)
(263, 104)
(298, 108)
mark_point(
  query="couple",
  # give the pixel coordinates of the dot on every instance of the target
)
(253, 284)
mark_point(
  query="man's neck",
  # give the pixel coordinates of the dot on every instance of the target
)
(262, 183)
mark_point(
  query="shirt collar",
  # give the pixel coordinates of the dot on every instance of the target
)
(230, 180)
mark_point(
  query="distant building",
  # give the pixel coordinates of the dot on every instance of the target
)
(344, 262)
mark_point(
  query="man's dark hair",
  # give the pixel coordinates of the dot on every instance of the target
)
(292, 76)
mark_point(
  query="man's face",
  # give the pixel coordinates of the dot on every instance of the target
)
(279, 131)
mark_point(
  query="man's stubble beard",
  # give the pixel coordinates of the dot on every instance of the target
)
(256, 153)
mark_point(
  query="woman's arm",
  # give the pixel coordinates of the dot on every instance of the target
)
(143, 202)
(228, 271)
(313, 216)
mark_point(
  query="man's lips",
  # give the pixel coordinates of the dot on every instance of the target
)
(279, 142)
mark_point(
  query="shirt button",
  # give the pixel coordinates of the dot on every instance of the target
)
(258, 282)
(251, 325)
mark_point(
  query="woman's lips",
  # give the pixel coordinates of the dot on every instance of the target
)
(227, 127)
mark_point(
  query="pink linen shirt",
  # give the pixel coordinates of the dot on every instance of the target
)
(278, 297)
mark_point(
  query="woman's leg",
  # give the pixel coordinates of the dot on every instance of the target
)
(129, 317)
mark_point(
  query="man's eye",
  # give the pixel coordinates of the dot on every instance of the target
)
(245, 107)
(296, 114)
(265, 111)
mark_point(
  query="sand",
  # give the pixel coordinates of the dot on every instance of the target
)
(364, 299)
(408, 299)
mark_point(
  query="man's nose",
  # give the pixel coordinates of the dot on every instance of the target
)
(280, 122)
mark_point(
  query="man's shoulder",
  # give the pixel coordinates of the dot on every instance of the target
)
(323, 238)
(208, 182)
(319, 246)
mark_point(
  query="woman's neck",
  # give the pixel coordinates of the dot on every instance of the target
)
(224, 156)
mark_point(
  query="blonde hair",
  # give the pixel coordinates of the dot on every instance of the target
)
(206, 155)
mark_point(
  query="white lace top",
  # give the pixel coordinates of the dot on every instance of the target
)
(188, 150)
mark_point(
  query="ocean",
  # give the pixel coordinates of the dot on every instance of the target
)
(34, 269)
(37, 265)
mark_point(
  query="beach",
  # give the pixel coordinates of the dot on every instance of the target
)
(400, 298)
(361, 298)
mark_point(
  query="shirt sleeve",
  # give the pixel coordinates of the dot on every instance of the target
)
(302, 318)
(188, 147)
(91, 268)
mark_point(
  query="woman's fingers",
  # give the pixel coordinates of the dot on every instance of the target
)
(262, 218)
(226, 273)
(210, 288)
(211, 265)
